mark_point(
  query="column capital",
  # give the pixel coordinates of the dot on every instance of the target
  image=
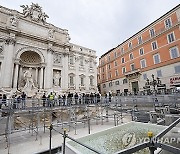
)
(50, 50)
(10, 41)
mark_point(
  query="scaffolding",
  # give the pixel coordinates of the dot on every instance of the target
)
(34, 118)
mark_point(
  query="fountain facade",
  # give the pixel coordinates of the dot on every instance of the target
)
(37, 56)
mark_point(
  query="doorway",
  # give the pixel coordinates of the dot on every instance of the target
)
(135, 87)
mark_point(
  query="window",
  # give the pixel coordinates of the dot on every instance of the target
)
(123, 70)
(131, 56)
(116, 82)
(102, 62)
(103, 69)
(168, 23)
(104, 85)
(115, 63)
(145, 76)
(156, 58)
(110, 84)
(177, 69)
(171, 37)
(154, 45)
(132, 67)
(122, 50)
(116, 73)
(141, 51)
(159, 73)
(109, 75)
(130, 45)
(143, 63)
(109, 58)
(174, 53)
(109, 66)
(140, 40)
(82, 81)
(122, 60)
(152, 32)
(81, 62)
(125, 81)
(103, 77)
(71, 60)
(91, 64)
(71, 80)
(91, 81)
(115, 54)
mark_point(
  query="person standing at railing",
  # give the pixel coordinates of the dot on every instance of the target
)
(64, 99)
(44, 99)
(110, 96)
(60, 100)
(55, 100)
(51, 99)
(23, 98)
(91, 98)
(69, 99)
(0, 101)
(14, 101)
(18, 102)
(98, 98)
(76, 98)
(4, 99)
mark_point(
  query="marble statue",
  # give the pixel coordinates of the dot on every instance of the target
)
(56, 79)
(28, 79)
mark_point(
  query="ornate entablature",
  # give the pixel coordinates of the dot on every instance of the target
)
(34, 11)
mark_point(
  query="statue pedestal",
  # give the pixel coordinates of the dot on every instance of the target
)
(30, 92)
(57, 90)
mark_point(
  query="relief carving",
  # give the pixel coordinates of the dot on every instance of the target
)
(34, 11)
(57, 59)
(14, 21)
(10, 41)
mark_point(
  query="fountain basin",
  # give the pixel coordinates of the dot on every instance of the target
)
(115, 139)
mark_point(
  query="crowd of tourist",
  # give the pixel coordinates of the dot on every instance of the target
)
(52, 99)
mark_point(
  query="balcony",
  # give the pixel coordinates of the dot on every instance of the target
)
(82, 87)
(133, 74)
(71, 87)
(92, 87)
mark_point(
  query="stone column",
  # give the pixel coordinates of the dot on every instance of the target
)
(65, 72)
(77, 82)
(36, 75)
(41, 78)
(49, 70)
(8, 64)
(16, 76)
(20, 75)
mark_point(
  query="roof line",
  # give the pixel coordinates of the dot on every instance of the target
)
(141, 30)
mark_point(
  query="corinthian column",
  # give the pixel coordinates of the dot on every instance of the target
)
(64, 76)
(16, 76)
(8, 63)
(49, 70)
(41, 77)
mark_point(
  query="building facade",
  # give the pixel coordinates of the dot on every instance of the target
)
(153, 50)
(36, 56)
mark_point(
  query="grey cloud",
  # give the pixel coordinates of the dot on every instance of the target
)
(100, 24)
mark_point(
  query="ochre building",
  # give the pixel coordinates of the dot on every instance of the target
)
(154, 50)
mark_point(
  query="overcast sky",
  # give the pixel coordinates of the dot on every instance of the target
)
(99, 24)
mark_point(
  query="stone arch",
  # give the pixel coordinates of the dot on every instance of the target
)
(30, 49)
